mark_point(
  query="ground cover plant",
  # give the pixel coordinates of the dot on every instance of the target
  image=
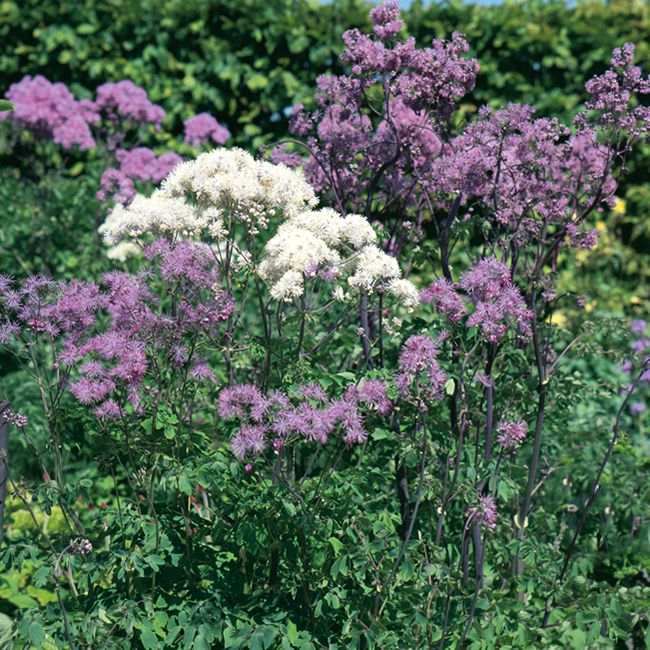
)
(352, 389)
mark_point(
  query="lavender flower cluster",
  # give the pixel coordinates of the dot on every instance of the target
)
(50, 112)
(307, 412)
(112, 360)
(488, 289)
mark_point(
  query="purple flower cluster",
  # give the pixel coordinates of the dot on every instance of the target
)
(17, 419)
(496, 300)
(351, 140)
(443, 296)
(419, 375)
(41, 306)
(274, 420)
(124, 101)
(483, 513)
(50, 111)
(511, 434)
(526, 173)
(203, 127)
(139, 164)
(79, 547)
(611, 94)
(109, 335)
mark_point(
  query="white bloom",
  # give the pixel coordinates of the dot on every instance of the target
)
(323, 240)
(339, 295)
(288, 286)
(372, 265)
(157, 214)
(295, 249)
(326, 224)
(405, 292)
(393, 326)
(210, 193)
(357, 231)
(122, 251)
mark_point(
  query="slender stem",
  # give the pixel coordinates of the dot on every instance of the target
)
(593, 491)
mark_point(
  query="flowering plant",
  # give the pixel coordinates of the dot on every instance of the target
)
(347, 424)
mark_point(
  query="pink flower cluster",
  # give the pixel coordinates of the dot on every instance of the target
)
(272, 421)
(139, 164)
(526, 173)
(353, 151)
(496, 300)
(109, 335)
(126, 101)
(484, 512)
(419, 375)
(443, 295)
(611, 93)
(17, 419)
(511, 434)
(203, 127)
(50, 111)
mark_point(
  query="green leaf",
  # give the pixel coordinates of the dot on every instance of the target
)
(337, 545)
(257, 81)
(6, 629)
(450, 386)
(257, 641)
(86, 28)
(6, 105)
(36, 634)
(23, 601)
(292, 630)
(148, 638)
(184, 485)
(76, 169)
(201, 644)
(40, 576)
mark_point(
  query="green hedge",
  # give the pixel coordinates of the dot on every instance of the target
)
(246, 60)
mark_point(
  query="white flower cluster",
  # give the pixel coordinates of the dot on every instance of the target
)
(206, 194)
(323, 242)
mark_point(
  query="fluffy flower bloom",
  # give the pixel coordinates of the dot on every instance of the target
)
(203, 127)
(306, 413)
(497, 301)
(484, 512)
(372, 266)
(373, 393)
(126, 101)
(324, 243)
(442, 294)
(122, 251)
(155, 215)
(51, 111)
(511, 434)
(200, 196)
(419, 373)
